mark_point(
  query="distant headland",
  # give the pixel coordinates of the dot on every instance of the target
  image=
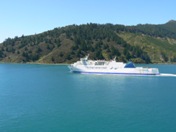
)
(143, 43)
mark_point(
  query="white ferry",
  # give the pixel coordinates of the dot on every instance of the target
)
(110, 67)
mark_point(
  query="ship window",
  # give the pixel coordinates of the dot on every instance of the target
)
(99, 63)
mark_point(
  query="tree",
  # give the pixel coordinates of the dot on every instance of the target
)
(99, 55)
(115, 51)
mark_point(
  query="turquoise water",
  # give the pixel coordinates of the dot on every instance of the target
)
(48, 98)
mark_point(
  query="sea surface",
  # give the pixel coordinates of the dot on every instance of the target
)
(48, 98)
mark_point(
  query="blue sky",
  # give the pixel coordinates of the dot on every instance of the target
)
(27, 17)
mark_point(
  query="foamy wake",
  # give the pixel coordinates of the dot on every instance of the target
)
(167, 75)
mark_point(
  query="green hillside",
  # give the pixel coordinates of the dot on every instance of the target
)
(141, 44)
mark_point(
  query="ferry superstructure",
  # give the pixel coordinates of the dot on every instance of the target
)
(110, 67)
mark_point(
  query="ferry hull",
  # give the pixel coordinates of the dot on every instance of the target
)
(110, 67)
(124, 71)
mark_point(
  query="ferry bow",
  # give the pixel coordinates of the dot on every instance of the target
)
(110, 67)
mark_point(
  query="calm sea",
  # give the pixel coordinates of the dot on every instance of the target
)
(48, 98)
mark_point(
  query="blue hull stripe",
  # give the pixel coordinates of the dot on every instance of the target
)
(115, 73)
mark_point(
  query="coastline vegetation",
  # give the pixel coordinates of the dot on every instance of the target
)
(142, 44)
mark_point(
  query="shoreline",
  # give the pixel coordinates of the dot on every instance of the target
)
(35, 63)
(71, 63)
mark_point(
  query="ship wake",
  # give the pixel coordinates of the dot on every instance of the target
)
(167, 75)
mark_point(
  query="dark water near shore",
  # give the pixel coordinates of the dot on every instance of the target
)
(48, 98)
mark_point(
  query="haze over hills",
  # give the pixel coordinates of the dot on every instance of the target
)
(143, 43)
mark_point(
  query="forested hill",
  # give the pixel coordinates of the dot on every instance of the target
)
(146, 43)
